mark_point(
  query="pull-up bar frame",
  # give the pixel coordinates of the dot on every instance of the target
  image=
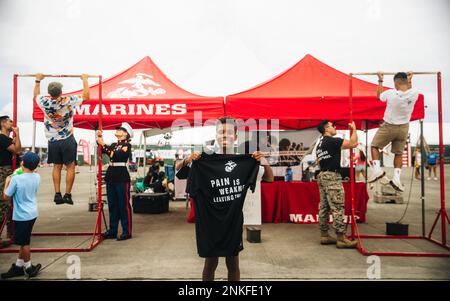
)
(442, 213)
(97, 233)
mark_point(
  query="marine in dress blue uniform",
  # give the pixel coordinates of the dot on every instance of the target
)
(117, 181)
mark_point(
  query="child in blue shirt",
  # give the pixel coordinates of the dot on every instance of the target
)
(22, 189)
(432, 162)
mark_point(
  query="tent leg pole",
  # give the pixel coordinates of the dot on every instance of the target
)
(352, 171)
(145, 154)
(33, 143)
(14, 114)
(441, 162)
(422, 180)
(99, 176)
(367, 155)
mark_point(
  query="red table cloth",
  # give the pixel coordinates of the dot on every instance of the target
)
(298, 202)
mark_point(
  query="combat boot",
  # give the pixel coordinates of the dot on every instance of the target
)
(344, 243)
(326, 239)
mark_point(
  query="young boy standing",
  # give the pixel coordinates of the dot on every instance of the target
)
(22, 190)
(213, 182)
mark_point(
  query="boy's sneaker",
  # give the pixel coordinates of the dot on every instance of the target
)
(58, 199)
(68, 199)
(397, 185)
(14, 271)
(32, 271)
(375, 175)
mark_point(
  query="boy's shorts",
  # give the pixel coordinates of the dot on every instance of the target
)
(395, 133)
(22, 232)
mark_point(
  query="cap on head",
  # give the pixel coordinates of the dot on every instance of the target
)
(55, 89)
(127, 128)
(30, 160)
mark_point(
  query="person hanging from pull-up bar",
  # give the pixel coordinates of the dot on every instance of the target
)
(399, 107)
(58, 121)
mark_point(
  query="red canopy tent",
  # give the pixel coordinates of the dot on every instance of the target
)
(143, 96)
(308, 92)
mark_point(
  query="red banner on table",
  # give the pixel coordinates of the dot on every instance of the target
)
(298, 202)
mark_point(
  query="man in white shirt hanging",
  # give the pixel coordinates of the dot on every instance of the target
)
(399, 107)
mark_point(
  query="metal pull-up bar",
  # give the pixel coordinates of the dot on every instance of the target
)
(393, 73)
(97, 229)
(442, 213)
(57, 75)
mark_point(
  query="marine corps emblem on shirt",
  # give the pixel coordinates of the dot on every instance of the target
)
(229, 166)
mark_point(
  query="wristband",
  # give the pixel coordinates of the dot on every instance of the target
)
(37, 81)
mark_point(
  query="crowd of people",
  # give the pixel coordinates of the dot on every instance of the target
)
(21, 186)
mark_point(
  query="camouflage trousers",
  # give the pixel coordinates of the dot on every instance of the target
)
(332, 199)
(5, 207)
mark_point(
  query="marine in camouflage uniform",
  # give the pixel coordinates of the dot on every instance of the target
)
(6, 160)
(5, 207)
(332, 199)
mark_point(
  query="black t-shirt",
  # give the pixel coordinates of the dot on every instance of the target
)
(117, 152)
(5, 154)
(328, 153)
(218, 184)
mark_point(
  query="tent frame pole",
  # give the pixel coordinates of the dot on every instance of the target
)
(33, 138)
(352, 167)
(145, 154)
(366, 131)
(422, 178)
(96, 234)
(442, 213)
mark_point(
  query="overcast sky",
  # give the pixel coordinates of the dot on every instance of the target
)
(214, 47)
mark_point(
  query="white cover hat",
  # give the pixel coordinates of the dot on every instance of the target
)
(125, 126)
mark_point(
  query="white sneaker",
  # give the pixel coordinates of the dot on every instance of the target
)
(384, 180)
(428, 178)
(435, 179)
(397, 184)
(375, 175)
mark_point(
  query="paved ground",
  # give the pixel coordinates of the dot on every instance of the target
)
(163, 246)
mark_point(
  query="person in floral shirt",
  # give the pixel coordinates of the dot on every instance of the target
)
(58, 121)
